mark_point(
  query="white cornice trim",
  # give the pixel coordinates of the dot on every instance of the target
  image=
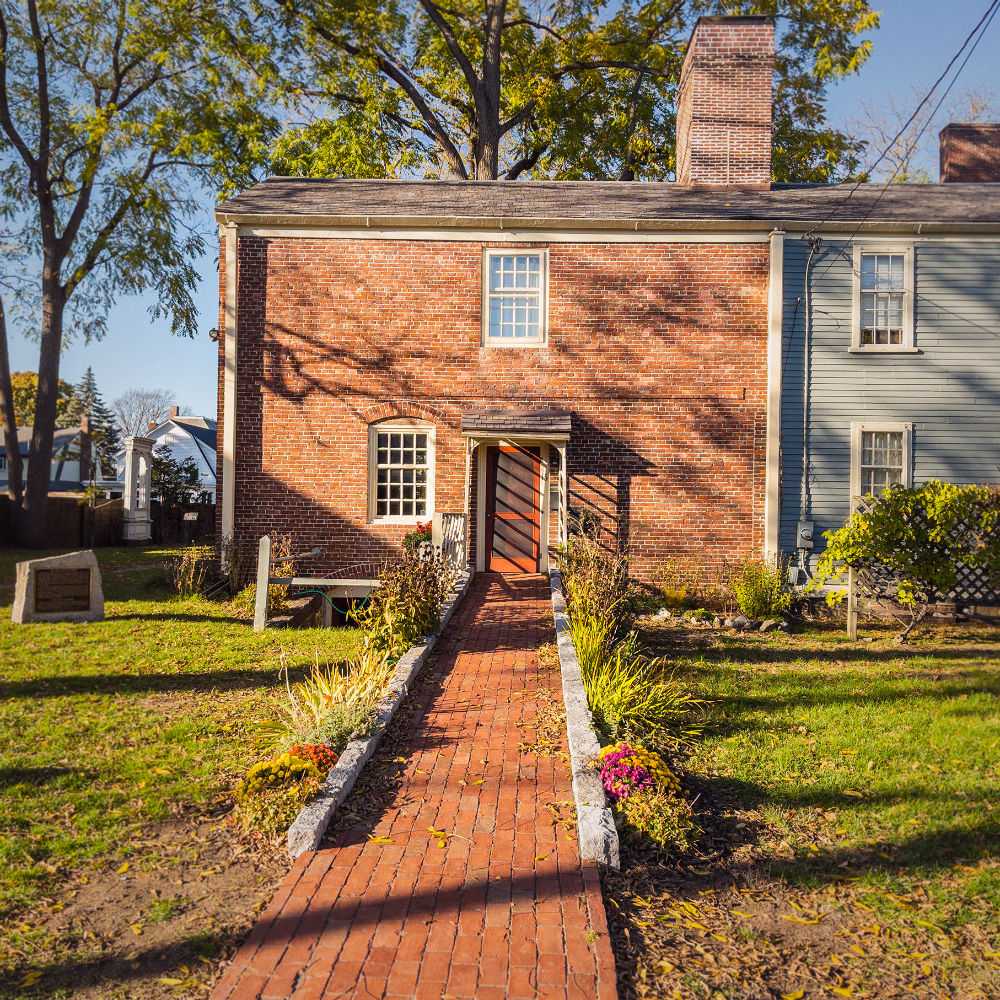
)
(229, 384)
(775, 333)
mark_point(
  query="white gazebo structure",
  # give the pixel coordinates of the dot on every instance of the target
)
(138, 524)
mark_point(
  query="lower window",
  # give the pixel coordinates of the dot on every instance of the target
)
(401, 472)
(880, 457)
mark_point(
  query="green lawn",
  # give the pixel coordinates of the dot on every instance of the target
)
(851, 798)
(120, 734)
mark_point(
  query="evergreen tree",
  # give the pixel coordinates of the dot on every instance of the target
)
(103, 428)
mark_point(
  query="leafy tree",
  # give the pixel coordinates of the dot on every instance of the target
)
(111, 114)
(103, 429)
(174, 483)
(25, 392)
(910, 545)
(500, 88)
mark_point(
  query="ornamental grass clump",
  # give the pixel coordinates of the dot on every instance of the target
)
(646, 795)
(332, 704)
(273, 792)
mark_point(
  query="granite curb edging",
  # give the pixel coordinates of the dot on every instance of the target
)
(594, 819)
(306, 832)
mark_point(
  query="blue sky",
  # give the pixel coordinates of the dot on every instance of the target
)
(911, 48)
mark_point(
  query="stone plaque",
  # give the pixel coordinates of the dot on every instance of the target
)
(59, 588)
(62, 590)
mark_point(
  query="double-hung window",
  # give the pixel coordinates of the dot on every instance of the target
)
(401, 472)
(515, 298)
(883, 299)
(880, 457)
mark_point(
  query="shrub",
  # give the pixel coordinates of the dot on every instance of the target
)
(596, 581)
(188, 570)
(332, 703)
(760, 591)
(911, 545)
(646, 794)
(270, 796)
(626, 769)
(406, 606)
(664, 817)
(318, 753)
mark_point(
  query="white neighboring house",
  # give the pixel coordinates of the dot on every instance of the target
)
(74, 463)
(186, 437)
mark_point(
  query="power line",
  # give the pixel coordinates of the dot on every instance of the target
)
(980, 28)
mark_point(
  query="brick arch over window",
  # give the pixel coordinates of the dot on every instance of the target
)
(374, 413)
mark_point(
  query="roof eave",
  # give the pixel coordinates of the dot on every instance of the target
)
(516, 223)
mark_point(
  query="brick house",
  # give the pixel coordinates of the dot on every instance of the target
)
(528, 352)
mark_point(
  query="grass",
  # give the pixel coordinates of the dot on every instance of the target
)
(854, 784)
(111, 731)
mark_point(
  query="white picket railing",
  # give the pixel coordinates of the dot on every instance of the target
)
(448, 538)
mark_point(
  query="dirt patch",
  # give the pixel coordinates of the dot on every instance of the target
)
(723, 923)
(156, 927)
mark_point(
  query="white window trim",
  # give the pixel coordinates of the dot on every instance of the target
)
(404, 425)
(908, 344)
(543, 304)
(857, 429)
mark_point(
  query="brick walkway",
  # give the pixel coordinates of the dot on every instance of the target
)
(505, 908)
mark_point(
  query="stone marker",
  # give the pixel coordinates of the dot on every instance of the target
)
(59, 589)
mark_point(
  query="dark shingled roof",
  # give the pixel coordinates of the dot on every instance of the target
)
(518, 422)
(617, 200)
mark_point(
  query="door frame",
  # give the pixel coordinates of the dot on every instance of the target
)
(481, 446)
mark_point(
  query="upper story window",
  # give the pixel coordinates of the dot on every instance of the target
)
(401, 471)
(515, 287)
(883, 299)
(880, 456)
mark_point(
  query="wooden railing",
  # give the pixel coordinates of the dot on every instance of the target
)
(448, 534)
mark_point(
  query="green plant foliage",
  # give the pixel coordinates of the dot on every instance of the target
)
(663, 816)
(188, 569)
(273, 792)
(559, 90)
(760, 589)
(174, 482)
(631, 697)
(332, 703)
(595, 576)
(412, 540)
(919, 538)
(406, 606)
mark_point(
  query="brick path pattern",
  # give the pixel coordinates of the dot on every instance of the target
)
(496, 905)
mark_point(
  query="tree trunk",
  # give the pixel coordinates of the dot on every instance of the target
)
(40, 457)
(14, 481)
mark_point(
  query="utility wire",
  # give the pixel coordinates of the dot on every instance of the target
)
(980, 28)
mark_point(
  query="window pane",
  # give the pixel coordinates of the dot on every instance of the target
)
(401, 473)
(881, 460)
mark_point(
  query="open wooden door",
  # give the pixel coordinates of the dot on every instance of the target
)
(513, 509)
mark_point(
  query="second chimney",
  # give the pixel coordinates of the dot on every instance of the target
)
(724, 102)
(970, 154)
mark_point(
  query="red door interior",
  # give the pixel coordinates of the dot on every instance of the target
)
(514, 509)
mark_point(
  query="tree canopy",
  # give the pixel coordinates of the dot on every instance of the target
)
(561, 90)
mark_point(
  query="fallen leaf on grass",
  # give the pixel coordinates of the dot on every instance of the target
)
(794, 995)
(122, 868)
(794, 918)
(30, 978)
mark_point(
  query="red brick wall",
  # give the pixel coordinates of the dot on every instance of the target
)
(970, 154)
(658, 350)
(724, 102)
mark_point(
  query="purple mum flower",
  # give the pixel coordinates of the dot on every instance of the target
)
(621, 774)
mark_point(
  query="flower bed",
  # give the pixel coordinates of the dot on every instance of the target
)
(339, 703)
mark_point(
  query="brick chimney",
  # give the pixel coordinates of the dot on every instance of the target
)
(724, 102)
(970, 153)
(174, 411)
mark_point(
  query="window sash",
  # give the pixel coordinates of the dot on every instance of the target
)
(883, 313)
(402, 473)
(514, 287)
(882, 461)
